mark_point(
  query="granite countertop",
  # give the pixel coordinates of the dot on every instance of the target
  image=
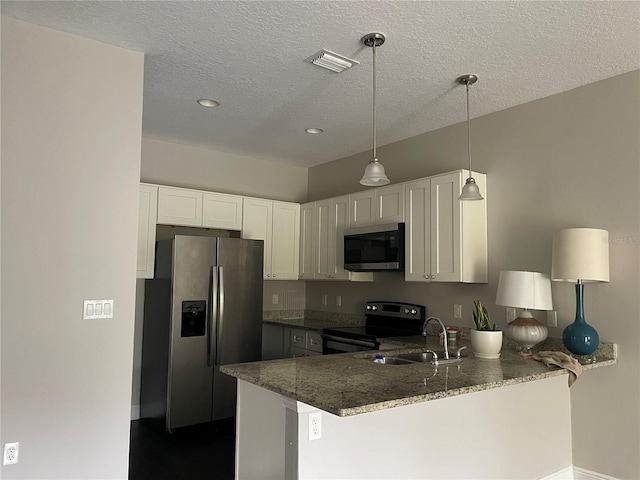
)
(350, 383)
(316, 324)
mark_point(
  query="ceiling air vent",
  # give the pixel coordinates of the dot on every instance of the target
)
(331, 61)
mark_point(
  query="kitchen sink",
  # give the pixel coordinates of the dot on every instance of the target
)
(396, 361)
(434, 358)
(417, 357)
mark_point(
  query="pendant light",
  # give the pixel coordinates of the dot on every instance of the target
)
(374, 175)
(470, 191)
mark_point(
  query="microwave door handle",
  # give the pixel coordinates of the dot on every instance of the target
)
(220, 323)
(213, 313)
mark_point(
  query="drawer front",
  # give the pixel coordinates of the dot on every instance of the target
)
(314, 342)
(298, 338)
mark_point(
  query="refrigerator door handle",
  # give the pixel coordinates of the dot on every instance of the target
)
(220, 323)
(213, 314)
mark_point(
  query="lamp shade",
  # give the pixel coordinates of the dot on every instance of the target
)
(580, 254)
(530, 290)
(374, 175)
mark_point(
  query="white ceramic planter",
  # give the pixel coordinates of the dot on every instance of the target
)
(486, 343)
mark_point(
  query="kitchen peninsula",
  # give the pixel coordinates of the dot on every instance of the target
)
(507, 418)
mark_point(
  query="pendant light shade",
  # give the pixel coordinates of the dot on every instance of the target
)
(374, 175)
(470, 191)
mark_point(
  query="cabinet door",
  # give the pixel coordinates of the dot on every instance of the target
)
(222, 211)
(390, 204)
(178, 206)
(339, 221)
(418, 231)
(445, 227)
(285, 244)
(362, 209)
(273, 342)
(323, 239)
(307, 240)
(147, 215)
(257, 225)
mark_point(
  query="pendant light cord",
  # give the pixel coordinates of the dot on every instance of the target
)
(468, 131)
(375, 157)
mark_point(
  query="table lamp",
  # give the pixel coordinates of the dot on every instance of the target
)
(580, 255)
(526, 290)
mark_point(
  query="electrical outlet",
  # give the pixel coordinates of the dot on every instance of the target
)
(511, 314)
(10, 453)
(275, 299)
(324, 299)
(339, 300)
(552, 319)
(457, 310)
(315, 425)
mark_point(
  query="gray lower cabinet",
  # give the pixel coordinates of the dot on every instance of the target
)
(280, 341)
(304, 343)
(275, 341)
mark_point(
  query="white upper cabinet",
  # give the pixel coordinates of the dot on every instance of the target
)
(147, 214)
(278, 224)
(377, 206)
(321, 241)
(286, 241)
(195, 208)
(446, 239)
(307, 240)
(417, 232)
(222, 211)
(390, 204)
(362, 208)
(179, 206)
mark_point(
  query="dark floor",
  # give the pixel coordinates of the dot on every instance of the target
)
(190, 453)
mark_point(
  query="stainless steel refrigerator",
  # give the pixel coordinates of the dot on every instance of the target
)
(203, 309)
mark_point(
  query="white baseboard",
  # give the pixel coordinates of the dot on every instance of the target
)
(577, 473)
(564, 474)
(135, 412)
(583, 474)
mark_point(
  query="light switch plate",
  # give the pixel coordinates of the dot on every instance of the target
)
(97, 309)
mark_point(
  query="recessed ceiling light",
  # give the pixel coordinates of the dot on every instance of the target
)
(313, 130)
(207, 102)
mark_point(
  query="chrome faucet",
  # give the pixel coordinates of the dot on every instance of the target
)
(444, 334)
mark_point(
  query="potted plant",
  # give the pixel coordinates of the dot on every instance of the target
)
(486, 341)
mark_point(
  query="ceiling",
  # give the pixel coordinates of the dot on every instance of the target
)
(249, 56)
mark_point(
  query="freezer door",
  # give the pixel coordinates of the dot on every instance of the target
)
(190, 376)
(239, 326)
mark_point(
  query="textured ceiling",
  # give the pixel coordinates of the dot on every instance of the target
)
(249, 56)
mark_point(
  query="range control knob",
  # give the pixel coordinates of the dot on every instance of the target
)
(406, 310)
(374, 308)
(413, 311)
(368, 307)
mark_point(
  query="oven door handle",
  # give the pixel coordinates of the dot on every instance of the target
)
(350, 341)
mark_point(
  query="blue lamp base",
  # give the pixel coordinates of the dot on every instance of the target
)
(580, 338)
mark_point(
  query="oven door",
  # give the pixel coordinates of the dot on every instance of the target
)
(334, 344)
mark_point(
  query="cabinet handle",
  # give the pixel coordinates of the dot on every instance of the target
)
(427, 276)
(274, 275)
(268, 274)
(433, 277)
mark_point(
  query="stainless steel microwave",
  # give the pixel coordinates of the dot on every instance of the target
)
(374, 248)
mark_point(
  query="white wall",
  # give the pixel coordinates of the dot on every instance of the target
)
(71, 125)
(570, 160)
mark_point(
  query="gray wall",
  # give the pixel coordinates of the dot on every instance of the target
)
(570, 160)
(71, 129)
(169, 163)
